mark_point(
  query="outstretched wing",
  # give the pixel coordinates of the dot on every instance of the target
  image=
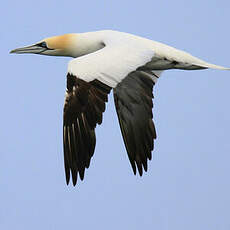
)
(111, 64)
(133, 100)
(89, 80)
(84, 105)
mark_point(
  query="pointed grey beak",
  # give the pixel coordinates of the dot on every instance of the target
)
(34, 49)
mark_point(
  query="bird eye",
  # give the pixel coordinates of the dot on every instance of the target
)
(43, 45)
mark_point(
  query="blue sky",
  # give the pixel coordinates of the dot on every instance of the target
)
(187, 185)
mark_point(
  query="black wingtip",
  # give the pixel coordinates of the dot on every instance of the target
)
(74, 178)
(149, 155)
(139, 167)
(67, 175)
(67, 181)
(145, 165)
(82, 173)
(133, 166)
(140, 172)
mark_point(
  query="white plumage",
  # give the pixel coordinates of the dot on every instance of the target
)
(124, 53)
(106, 60)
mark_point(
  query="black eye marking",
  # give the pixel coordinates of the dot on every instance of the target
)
(43, 45)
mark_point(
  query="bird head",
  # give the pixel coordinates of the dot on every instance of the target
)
(62, 45)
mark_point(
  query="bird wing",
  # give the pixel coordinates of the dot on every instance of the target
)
(83, 108)
(111, 64)
(89, 81)
(133, 101)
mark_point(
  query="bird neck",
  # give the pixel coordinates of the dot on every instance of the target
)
(85, 43)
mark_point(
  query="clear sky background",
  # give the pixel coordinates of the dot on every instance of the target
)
(187, 185)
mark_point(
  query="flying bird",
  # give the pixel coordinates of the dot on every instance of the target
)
(103, 61)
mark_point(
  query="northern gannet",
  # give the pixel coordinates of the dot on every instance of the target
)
(105, 60)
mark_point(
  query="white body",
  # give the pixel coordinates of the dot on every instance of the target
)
(122, 54)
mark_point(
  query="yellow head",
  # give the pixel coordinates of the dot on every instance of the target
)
(62, 45)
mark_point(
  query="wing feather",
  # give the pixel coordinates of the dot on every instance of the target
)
(111, 64)
(89, 81)
(84, 105)
(133, 101)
